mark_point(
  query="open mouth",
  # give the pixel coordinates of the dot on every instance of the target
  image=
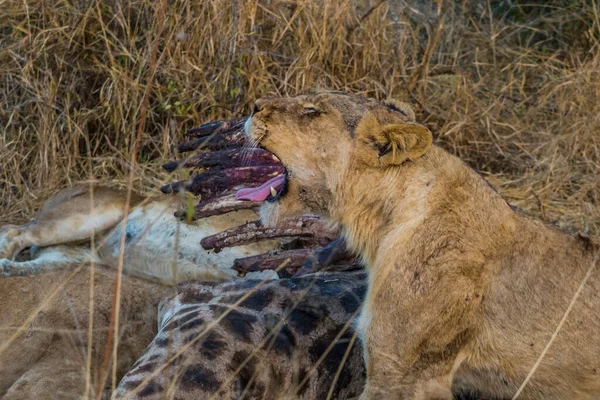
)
(236, 175)
(227, 173)
(270, 191)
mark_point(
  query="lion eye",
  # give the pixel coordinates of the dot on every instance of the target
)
(311, 110)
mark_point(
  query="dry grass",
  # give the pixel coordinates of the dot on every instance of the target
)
(512, 87)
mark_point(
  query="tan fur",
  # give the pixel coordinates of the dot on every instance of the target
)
(157, 245)
(461, 288)
(45, 357)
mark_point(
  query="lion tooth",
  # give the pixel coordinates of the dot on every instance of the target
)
(273, 191)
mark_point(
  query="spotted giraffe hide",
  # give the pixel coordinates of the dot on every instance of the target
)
(250, 339)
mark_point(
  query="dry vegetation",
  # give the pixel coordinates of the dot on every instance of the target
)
(512, 87)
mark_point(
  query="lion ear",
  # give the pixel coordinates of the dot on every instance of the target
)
(401, 107)
(391, 143)
(397, 143)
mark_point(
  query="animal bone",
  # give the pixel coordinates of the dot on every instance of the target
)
(300, 262)
(303, 226)
(217, 181)
(272, 260)
(335, 252)
(218, 205)
(216, 127)
(228, 134)
(229, 158)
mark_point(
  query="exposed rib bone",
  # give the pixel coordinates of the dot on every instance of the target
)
(209, 128)
(273, 259)
(230, 158)
(304, 226)
(216, 181)
(219, 205)
(334, 253)
(218, 141)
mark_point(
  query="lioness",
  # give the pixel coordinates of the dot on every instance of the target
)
(157, 245)
(461, 287)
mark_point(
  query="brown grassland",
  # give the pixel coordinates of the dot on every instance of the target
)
(92, 90)
(511, 86)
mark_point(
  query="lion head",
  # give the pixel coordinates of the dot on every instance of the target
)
(325, 140)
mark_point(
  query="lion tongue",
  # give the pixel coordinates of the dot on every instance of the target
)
(263, 191)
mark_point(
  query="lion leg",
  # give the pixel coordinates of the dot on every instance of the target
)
(415, 369)
(386, 381)
(40, 381)
(434, 389)
(415, 340)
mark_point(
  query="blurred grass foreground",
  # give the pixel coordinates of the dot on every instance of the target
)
(511, 86)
